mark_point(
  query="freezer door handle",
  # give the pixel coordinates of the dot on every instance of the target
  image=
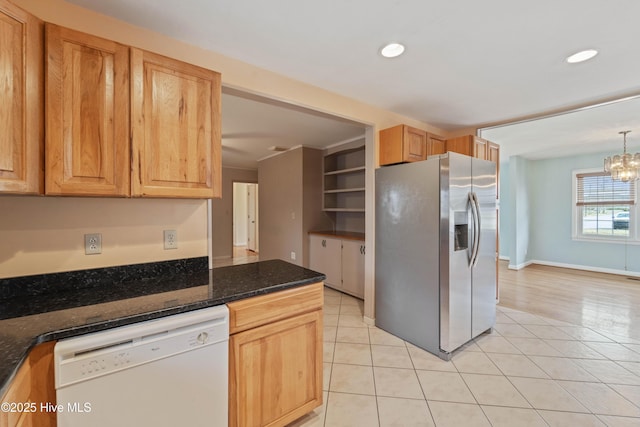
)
(475, 212)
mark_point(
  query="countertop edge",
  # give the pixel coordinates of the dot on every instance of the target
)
(127, 320)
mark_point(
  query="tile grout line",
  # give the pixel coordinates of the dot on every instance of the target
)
(373, 373)
(562, 355)
(599, 381)
(415, 372)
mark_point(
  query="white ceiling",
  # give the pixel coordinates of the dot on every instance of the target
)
(250, 126)
(467, 63)
(587, 130)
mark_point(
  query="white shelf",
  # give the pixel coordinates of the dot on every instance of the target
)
(350, 170)
(344, 180)
(344, 190)
(343, 210)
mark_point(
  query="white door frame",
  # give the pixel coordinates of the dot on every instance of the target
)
(252, 218)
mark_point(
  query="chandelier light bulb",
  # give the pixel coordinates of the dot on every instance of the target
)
(623, 167)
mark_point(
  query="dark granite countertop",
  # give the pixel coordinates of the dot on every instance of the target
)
(63, 311)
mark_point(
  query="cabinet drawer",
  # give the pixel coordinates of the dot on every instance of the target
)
(252, 312)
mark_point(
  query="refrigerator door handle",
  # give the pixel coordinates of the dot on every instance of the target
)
(476, 225)
(471, 227)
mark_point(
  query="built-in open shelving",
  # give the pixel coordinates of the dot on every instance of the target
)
(344, 180)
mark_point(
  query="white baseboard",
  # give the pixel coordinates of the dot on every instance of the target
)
(520, 266)
(369, 321)
(588, 268)
(571, 266)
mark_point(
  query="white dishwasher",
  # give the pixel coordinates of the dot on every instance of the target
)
(171, 371)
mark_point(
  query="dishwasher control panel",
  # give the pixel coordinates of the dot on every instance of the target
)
(109, 351)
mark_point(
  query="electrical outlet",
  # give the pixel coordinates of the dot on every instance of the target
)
(293, 256)
(93, 244)
(170, 239)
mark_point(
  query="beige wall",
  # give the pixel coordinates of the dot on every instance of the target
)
(222, 211)
(313, 218)
(280, 200)
(46, 234)
(290, 198)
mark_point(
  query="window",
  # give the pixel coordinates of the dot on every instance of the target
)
(604, 208)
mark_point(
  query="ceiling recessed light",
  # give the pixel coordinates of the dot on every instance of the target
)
(392, 50)
(581, 56)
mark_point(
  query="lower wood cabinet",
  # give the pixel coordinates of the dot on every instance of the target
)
(341, 260)
(275, 357)
(32, 385)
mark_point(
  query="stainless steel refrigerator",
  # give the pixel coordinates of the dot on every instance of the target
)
(435, 277)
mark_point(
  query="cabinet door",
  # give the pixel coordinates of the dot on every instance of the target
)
(435, 145)
(276, 371)
(353, 267)
(34, 382)
(19, 391)
(462, 144)
(493, 152)
(415, 144)
(175, 128)
(479, 148)
(21, 109)
(325, 258)
(87, 103)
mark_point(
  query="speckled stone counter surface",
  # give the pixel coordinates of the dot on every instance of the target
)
(75, 306)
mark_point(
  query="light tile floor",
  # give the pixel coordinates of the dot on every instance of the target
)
(530, 371)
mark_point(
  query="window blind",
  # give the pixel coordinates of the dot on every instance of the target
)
(598, 188)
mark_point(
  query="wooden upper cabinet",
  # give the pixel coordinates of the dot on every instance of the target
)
(21, 102)
(176, 140)
(474, 146)
(87, 115)
(480, 148)
(465, 145)
(435, 145)
(493, 152)
(401, 144)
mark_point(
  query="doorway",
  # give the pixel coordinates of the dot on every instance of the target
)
(246, 238)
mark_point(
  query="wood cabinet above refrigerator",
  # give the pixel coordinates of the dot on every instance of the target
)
(401, 144)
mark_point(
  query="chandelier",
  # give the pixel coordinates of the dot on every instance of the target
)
(623, 167)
